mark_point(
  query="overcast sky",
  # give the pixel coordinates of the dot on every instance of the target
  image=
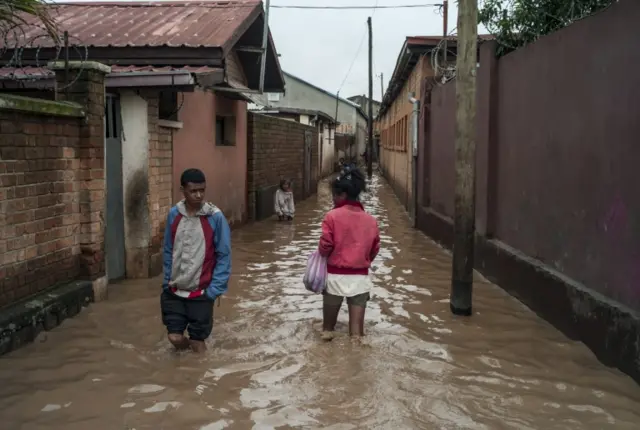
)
(320, 45)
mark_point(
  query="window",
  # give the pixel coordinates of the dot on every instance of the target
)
(273, 97)
(168, 106)
(225, 131)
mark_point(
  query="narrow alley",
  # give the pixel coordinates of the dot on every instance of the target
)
(420, 368)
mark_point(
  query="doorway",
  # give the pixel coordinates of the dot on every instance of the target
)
(308, 138)
(114, 229)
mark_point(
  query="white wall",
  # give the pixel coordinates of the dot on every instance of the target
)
(135, 166)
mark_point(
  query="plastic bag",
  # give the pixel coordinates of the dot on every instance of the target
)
(315, 277)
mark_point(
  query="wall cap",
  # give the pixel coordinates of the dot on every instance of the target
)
(80, 65)
(170, 124)
(40, 106)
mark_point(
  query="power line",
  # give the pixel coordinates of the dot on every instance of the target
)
(374, 7)
(354, 60)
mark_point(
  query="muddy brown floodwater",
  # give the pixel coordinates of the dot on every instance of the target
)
(420, 367)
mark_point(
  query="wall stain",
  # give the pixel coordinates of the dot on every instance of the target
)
(136, 203)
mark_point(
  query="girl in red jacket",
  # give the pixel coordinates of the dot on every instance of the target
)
(350, 241)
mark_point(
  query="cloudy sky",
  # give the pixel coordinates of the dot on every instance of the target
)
(320, 45)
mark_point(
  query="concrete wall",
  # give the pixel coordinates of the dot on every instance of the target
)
(135, 173)
(224, 166)
(147, 149)
(557, 207)
(276, 150)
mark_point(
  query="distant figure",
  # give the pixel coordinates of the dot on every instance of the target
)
(197, 264)
(350, 241)
(365, 156)
(284, 205)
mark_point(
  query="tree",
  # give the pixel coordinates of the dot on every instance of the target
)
(516, 23)
(17, 14)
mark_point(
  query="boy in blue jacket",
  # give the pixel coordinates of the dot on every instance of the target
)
(197, 264)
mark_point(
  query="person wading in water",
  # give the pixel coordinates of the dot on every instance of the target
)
(350, 241)
(197, 264)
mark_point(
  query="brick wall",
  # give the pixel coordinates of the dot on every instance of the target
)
(52, 193)
(39, 203)
(275, 150)
(160, 183)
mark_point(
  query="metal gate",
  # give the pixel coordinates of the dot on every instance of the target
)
(308, 138)
(114, 231)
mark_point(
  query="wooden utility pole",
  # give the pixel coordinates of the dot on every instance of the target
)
(465, 148)
(381, 86)
(445, 31)
(370, 113)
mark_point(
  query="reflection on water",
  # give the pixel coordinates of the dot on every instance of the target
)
(420, 367)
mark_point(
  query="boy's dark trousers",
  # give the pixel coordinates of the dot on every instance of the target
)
(194, 315)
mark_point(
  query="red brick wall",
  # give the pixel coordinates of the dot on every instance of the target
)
(52, 194)
(275, 151)
(160, 183)
(39, 203)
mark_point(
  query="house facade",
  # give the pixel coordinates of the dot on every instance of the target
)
(395, 117)
(301, 94)
(173, 100)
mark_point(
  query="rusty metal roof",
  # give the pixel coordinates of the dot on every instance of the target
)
(27, 73)
(214, 23)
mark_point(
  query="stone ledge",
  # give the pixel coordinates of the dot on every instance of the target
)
(40, 106)
(170, 124)
(80, 65)
(21, 322)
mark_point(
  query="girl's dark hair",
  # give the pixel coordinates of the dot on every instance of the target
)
(284, 181)
(351, 182)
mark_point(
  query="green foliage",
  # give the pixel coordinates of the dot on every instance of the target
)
(516, 23)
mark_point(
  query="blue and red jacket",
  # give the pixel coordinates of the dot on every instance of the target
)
(197, 252)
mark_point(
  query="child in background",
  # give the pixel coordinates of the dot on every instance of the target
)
(350, 241)
(284, 205)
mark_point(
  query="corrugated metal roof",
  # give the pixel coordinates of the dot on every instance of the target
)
(19, 73)
(145, 24)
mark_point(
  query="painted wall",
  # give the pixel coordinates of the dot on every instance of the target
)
(556, 176)
(225, 167)
(135, 168)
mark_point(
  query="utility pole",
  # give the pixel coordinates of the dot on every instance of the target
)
(370, 113)
(465, 148)
(381, 86)
(445, 31)
(265, 45)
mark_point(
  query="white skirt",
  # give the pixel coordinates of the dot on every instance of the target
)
(348, 285)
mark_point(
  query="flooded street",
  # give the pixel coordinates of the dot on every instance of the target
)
(420, 368)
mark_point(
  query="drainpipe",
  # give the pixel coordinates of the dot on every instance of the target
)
(414, 158)
(265, 44)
